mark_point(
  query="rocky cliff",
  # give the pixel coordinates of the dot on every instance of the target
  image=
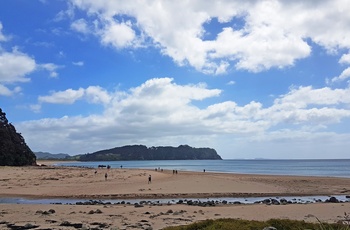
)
(13, 149)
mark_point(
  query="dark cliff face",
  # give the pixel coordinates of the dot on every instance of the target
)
(13, 149)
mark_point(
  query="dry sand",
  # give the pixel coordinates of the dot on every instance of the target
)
(68, 182)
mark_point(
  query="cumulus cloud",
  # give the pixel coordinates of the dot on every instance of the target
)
(80, 26)
(5, 91)
(343, 76)
(68, 96)
(93, 94)
(274, 34)
(345, 59)
(51, 68)
(2, 36)
(118, 35)
(14, 66)
(160, 111)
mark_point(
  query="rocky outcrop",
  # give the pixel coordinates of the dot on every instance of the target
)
(13, 149)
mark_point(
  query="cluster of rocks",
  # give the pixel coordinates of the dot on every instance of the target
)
(211, 203)
(50, 211)
(283, 201)
(18, 227)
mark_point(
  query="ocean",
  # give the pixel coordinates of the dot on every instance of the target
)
(322, 167)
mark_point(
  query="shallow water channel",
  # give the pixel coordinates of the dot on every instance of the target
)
(229, 200)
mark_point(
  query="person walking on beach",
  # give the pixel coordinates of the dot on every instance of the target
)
(106, 176)
(149, 179)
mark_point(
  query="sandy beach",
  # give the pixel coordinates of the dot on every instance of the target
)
(68, 182)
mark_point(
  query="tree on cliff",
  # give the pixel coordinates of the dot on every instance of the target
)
(13, 149)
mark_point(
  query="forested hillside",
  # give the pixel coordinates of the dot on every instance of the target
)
(141, 152)
(13, 149)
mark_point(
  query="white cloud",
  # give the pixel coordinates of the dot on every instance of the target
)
(14, 66)
(274, 33)
(345, 59)
(93, 94)
(80, 26)
(231, 83)
(343, 76)
(2, 36)
(79, 63)
(160, 112)
(51, 68)
(5, 91)
(97, 95)
(68, 96)
(118, 35)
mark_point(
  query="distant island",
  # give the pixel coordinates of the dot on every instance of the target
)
(141, 152)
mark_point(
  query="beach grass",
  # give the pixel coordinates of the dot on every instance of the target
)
(285, 224)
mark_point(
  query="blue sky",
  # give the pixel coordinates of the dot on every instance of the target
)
(252, 79)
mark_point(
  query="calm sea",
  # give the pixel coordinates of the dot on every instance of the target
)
(333, 168)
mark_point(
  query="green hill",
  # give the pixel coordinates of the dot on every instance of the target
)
(141, 152)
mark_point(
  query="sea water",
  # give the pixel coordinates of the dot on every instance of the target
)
(323, 167)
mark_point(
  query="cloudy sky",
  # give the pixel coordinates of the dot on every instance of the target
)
(252, 79)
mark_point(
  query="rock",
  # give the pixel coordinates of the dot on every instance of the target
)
(68, 224)
(275, 202)
(169, 211)
(100, 225)
(283, 201)
(98, 211)
(332, 200)
(19, 227)
(224, 201)
(137, 205)
(266, 201)
(190, 202)
(39, 212)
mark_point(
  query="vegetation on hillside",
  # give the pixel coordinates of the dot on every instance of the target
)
(13, 149)
(141, 152)
(285, 224)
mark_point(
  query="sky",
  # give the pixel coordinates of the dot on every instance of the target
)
(251, 79)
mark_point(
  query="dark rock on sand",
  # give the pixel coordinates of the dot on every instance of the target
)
(332, 200)
(69, 224)
(137, 205)
(19, 227)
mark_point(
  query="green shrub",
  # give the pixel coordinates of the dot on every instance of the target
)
(237, 224)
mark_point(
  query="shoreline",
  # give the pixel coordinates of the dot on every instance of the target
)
(229, 168)
(243, 185)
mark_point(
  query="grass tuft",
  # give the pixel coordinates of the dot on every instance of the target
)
(280, 224)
